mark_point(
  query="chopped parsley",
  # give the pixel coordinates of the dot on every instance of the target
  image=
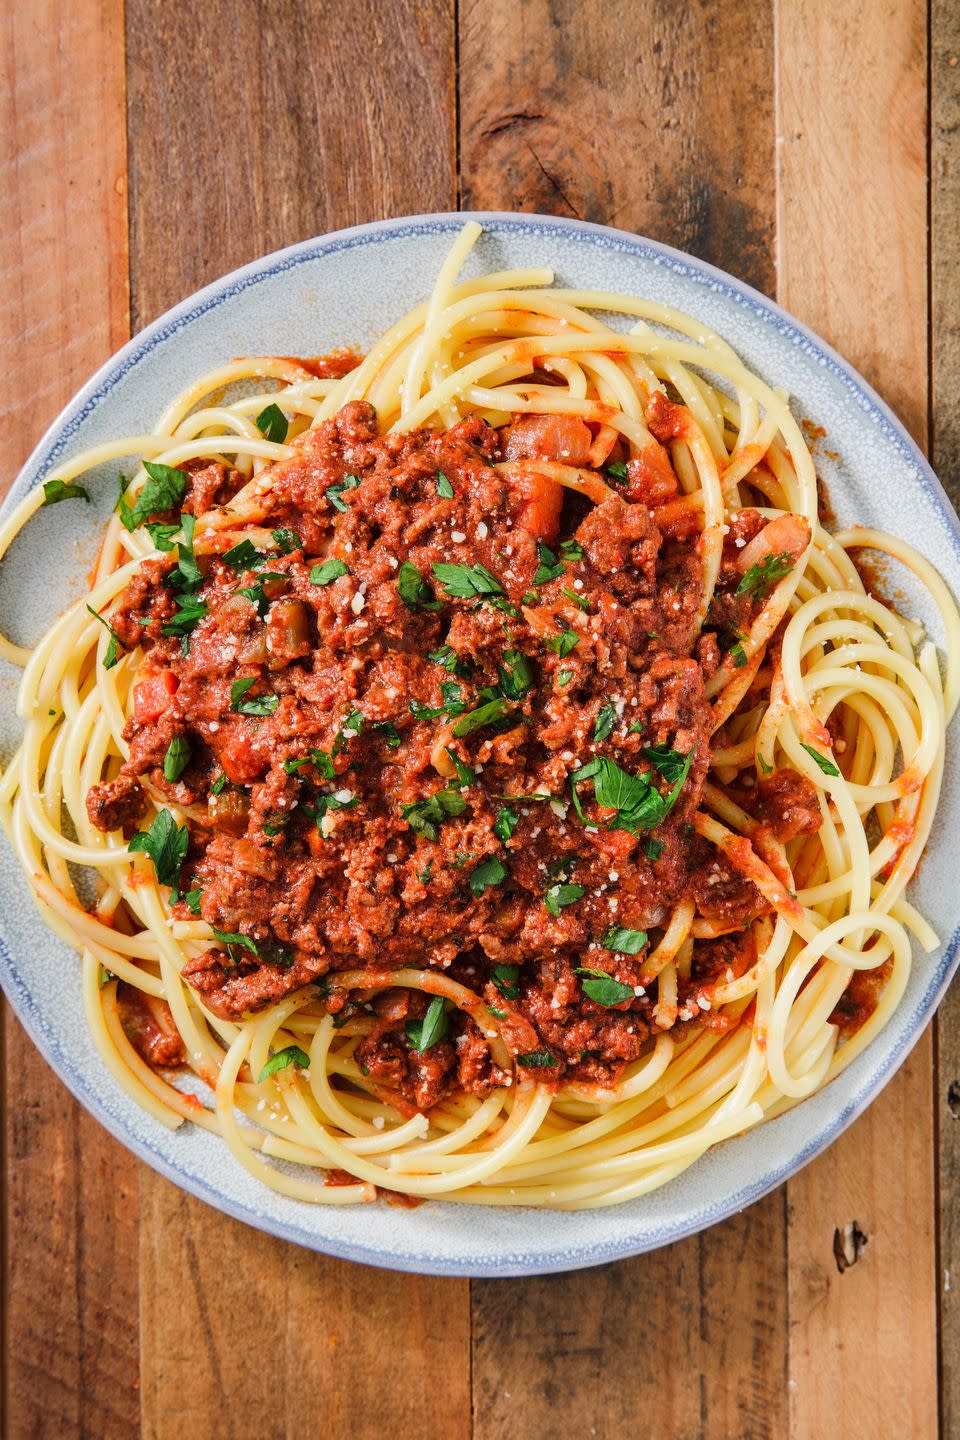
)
(192, 900)
(549, 567)
(639, 805)
(426, 874)
(161, 533)
(163, 491)
(334, 492)
(827, 766)
(506, 822)
(426, 1032)
(487, 714)
(256, 594)
(563, 643)
(536, 1059)
(603, 725)
(56, 490)
(625, 942)
(257, 704)
(321, 758)
(166, 844)
(653, 849)
(466, 775)
(618, 472)
(219, 785)
(448, 659)
(765, 769)
(289, 1055)
(467, 582)
(243, 556)
(515, 674)
(272, 424)
(426, 816)
(328, 571)
(177, 758)
(111, 657)
(286, 540)
(190, 611)
(579, 600)
(390, 732)
(602, 988)
(564, 677)
(349, 730)
(769, 571)
(444, 487)
(491, 872)
(236, 940)
(571, 550)
(506, 977)
(414, 590)
(558, 897)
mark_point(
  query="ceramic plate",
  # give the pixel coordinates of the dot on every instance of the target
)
(345, 289)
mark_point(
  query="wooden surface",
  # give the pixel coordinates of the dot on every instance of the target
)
(146, 149)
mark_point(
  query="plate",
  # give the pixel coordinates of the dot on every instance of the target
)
(344, 289)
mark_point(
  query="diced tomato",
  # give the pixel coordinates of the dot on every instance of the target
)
(547, 437)
(541, 501)
(153, 695)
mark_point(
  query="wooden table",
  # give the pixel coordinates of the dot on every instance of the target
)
(811, 147)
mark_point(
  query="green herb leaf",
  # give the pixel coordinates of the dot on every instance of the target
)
(465, 582)
(192, 900)
(334, 492)
(56, 490)
(163, 491)
(827, 766)
(617, 471)
(426, 874)
(738, 655)
(491, 872)
(273, 424)
(258, 705)
(536, 1059)
(219, 785)
(626, 942)
(186, 559)
(111, 657)
(515, 674)
(466, 775)
(256, 593)
(602, 988)
(243, 556)
(390, 731)
(768, 572)
(414, 590)
(426, 816)
(571, 550)
(321, 758)
(506, 822)
(558, 897)
(549, 567)
(505, 977)
(190, 611)
(563, 643)
(328, 571)
(286, 540)
(579, 600)
(448, 659)
(487, 714)
(653, 849)
(764, 768)
(177, 758)
(444, 487)
(161, 533)
(289, 1055)
(564, 677)
(166, 844)
(669, 762)
(236, 940)
(604, 723)
(424, 1033)
(639, 805)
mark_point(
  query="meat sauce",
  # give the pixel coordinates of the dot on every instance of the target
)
(379, 754)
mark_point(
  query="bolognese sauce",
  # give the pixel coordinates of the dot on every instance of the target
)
(446, 715)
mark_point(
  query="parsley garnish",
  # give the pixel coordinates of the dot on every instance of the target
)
(256, 594)
(177, 758)
(426, 816)
(579, 600)
(272, 424)
(638, 804)
(111, 657)
(515, 674)
(653, 849)
(161, 533)
(536, 1059)
(426, 1032)
(190, 611)
(192, 900)
(219, 785)
(286, 540)
(56, 490)
(602, 988)
(603, 725)
(329, 570)
(765, 769)
(617, 471)
(558, 897)
(444, 487)
(669, 762)
(448, 659)
(321, 758)
(414, 590)
(243, 556)
(257, 705)
(236, 940)
(827, 766)
(626, 942)
(549, 567)
(505, 978)
(765, 574)
(487, 714)
(491, 872)
(166, 843)
(571, 550)
(466, 775)
(426, 874)
(506, 822)
(737, 654)
(563, 643)
(564, 677)
(333, 494)
(466, 582)
(289, 1055)
(390, 732)
(349, 730)
(163, 491)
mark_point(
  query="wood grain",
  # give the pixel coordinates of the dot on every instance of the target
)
(309, 137)
(851, 192)
(70, 1193)
(624, 115)
(945, 454)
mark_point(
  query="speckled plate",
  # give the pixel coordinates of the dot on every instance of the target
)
(345, 289)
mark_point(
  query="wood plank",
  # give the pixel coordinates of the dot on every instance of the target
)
(945, 453)
(851, 200)
(70, 1192)
(303, 146)
(542, 88)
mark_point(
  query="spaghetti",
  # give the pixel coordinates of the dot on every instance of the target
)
(497, 783)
